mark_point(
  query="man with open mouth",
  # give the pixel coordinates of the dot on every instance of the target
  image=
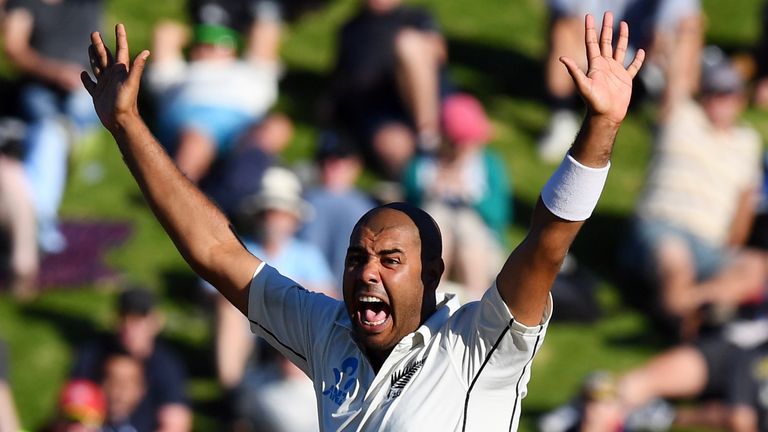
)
(395, 355)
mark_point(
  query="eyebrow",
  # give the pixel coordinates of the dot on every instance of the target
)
(390, 251)
(358, 249)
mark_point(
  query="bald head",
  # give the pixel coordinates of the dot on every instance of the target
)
(431, 241)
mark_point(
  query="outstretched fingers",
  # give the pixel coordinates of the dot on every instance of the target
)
(621, 47)
(637, 62)
(101, 57)
(606, 35)
(122, 55)
(581, 80)
(590, 37)
(134, 76)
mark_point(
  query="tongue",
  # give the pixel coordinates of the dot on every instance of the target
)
(374, 313)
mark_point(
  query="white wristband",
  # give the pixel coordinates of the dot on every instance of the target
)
(573, 190)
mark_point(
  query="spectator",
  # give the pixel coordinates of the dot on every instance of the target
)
(81, 408)
(17, 213)
(124, 389)
(669, 30)
(277, 211)
(698, 204)
(387, 82)
(338, 204)
(466, 189)
(165, 404)
(47, 41)
(238, 175)
(702, 372)
(268, 384)
(206, 103)
(9, 422)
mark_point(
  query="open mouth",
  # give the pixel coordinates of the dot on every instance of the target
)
(372, 313)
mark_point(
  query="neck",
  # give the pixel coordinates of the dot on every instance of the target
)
(377, 358)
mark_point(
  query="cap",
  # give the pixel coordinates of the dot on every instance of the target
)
(464, 120)
(83, 401)
(280, 190)
(718, 74)
(135, 301)
(219, 35)
(333, 145)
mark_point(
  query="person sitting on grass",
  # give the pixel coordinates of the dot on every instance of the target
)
(206, 103)
(696, 210)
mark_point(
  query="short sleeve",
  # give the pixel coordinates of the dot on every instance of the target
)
(493, 352)
(160, 77)
(288, 316)
(492, 337)
(742, 387)
(671, 12)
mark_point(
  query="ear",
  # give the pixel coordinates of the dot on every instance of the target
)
(432, 273)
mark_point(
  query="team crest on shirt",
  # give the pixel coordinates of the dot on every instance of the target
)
(346, 378)
(401, 378)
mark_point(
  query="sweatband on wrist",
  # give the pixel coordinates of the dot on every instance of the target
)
(573, 189)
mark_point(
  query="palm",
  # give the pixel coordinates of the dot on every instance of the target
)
(607, 86)
(117, 84)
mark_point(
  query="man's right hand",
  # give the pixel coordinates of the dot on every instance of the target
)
(117, 81)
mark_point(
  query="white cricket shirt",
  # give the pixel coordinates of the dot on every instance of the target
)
(465, 369)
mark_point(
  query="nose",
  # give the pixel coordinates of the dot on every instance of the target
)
(370, 272)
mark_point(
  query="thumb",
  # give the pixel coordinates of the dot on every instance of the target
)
(134, 75)
(579, 78)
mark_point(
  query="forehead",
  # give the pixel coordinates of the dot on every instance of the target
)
(386, 228)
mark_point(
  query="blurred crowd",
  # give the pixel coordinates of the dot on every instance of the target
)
(694, 259)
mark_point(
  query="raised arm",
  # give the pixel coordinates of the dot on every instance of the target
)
(527, 276)
(200, 231)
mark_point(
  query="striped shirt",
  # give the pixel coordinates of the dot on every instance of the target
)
(698, 173)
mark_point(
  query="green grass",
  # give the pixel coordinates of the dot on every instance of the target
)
(496, 50)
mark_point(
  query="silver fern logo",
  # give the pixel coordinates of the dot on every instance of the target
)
(401, 378)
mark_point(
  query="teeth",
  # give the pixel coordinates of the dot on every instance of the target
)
(374, 323)
(368, 299)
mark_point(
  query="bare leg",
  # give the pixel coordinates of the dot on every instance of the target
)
(566, 36)
(742, 279)
(233, 343)
(18, 210)
(418, 55)
(678, 373)
(678, 278)
(195, 155)
(394, 145)
(9, 422)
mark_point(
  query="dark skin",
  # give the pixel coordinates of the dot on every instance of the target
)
(206, 240)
